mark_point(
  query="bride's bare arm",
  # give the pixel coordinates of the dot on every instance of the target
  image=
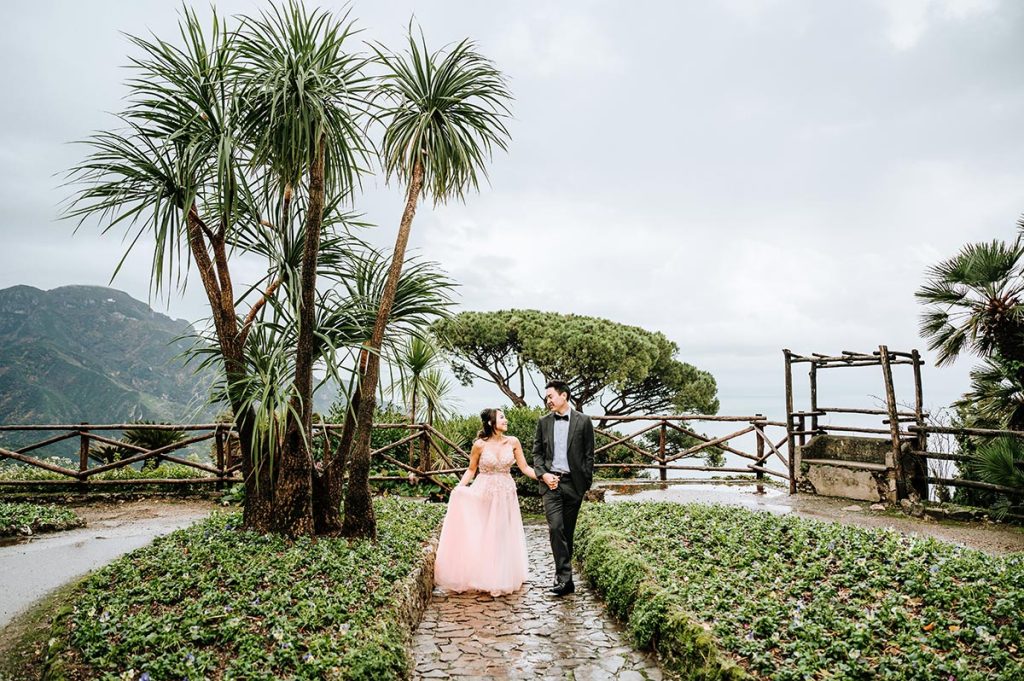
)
(474, 461)
(517, 449)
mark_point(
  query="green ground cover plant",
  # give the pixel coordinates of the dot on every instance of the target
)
(21, 518)
(215, 602)
(727, 593)
(22, 471)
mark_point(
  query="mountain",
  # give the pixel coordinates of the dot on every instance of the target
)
(95, 354)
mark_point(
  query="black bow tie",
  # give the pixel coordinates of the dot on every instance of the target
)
(561, 418)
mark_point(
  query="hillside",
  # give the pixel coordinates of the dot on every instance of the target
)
(89, 353)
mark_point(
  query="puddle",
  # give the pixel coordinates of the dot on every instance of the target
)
(743, 494)
(34, 566)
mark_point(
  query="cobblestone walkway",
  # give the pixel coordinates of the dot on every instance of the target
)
(526, 635)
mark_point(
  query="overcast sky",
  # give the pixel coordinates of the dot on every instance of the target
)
(743, 176)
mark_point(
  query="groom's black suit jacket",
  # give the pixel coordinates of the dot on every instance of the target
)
(580, 450)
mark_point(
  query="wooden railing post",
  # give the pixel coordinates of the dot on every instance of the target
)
(219, 440)
(661, 451)
(425, 462)
(813, 375)
(790, 440)
(901, 486)
(83, 448)
(920, 482)
(759, 475)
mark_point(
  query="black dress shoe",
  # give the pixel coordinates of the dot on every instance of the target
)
(562, 589)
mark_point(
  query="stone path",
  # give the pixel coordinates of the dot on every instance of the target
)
(528, 634)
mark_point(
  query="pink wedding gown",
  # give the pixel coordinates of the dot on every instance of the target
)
(482, 545)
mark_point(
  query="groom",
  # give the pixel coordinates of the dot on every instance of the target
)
(563, 457)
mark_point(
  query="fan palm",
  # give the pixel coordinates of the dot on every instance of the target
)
(444, 115)
(975, 302)
(152, 438)
(996, 396)
(107, 453)
(1000, 461)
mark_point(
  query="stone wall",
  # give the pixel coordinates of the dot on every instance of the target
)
(847, 467)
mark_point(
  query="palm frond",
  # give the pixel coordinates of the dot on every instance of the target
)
(976, 302)
(304, 87)
(177, 147)
(1001, 462)
(444, 109)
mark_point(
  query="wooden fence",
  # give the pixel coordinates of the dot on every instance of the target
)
(765, 446)
(906, 428)
(921, 452)
(218, 472)
(431, 453)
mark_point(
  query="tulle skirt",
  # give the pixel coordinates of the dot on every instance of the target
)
(482, 545)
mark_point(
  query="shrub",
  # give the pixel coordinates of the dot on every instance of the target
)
(789, 599)
(212, 601)
(22, 471)
(20, 518)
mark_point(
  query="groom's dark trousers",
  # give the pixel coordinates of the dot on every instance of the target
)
(562, 508)
(562, 504)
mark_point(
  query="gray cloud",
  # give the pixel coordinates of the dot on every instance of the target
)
(744, 176)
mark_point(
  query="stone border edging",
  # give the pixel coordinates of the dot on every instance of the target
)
(414, 595)
(651, 613)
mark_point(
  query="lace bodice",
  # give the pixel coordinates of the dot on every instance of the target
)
(497, 457)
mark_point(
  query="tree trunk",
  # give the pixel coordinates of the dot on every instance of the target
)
(412, 419)
(425, 456)
(359, 519)
(517, 400)
(329, 484)
(255, 472)
(293, 491)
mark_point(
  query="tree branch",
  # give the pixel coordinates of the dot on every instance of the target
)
(227, 296)
(254, 310)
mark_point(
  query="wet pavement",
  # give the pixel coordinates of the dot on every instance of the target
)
(526, 635)
(34, 566)
(774, 499)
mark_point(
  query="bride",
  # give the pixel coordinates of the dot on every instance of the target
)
(482, 545)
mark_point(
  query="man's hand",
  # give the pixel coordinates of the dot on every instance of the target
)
(550, 479)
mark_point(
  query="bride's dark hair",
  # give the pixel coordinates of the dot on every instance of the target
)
(486, 423)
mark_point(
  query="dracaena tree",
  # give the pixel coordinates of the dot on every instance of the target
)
(421, 387)
(443, 114)
(304, 94)
(247, 142)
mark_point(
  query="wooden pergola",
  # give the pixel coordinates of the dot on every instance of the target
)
(797, 420)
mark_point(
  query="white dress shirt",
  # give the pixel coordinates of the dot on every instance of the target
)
(560, 464)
